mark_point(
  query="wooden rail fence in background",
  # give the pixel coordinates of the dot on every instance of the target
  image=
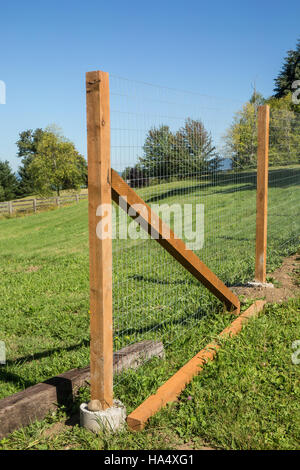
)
(35, 204)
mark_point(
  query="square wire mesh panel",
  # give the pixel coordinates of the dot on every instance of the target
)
(284, 185)
(180, 152)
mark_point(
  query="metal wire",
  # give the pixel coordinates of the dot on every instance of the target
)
(164, 143)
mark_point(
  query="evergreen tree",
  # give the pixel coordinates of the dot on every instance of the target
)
(188, 152)
(27, 150)
(135, 176)
(290, 72)
(159, 153)
(195, 148)
(8, 182)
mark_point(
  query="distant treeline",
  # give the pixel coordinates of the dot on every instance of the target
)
(50, 162)
(191, 152)
(174, 155)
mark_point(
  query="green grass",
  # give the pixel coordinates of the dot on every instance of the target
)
(44, 273)
(248, 398)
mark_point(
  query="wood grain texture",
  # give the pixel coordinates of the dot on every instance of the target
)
(152, 223)
(262, 193)
(34, 403)
(99, 194)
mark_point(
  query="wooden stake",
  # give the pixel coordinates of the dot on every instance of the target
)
(10, 207)
(99, 193)
(262, 193)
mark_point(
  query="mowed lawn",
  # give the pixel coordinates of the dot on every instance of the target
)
(44, 271)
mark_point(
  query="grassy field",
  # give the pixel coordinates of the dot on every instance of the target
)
(44, 274)
(44, 287)
(248, 398)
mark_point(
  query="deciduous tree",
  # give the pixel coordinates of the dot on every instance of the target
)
(57, 164)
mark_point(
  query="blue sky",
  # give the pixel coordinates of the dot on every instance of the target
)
(216, 48)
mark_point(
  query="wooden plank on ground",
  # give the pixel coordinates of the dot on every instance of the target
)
(35, 402)
(171, 389)
(153, 224)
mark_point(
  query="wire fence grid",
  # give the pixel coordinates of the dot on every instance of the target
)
(172, 147)
(284, 185)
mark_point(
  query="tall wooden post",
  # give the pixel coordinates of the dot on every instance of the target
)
(99, 193)
(262, 192)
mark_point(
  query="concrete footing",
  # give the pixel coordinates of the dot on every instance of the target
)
(260, 284)
(34, 403)
(110, 420)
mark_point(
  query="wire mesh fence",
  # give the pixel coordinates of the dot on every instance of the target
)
(163, 150)
(179, 152)
(284, 185)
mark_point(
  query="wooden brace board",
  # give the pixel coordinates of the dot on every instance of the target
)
(156, 228)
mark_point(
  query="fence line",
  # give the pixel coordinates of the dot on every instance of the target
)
(34, 204)
(168, 147)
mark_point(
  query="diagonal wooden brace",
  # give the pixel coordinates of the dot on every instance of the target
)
(156, 228)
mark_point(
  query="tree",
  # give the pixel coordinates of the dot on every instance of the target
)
(135, 176)
(284, 145)
(27, 150)
(241, 138)
(187, 152)
(8, 182)
(215, 164)
(159, 153)
(57, 165)
(195, 149)
(290, 72)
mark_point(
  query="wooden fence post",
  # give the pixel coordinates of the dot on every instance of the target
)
(262, 192)
(10, 207)
(34, 205)
(99, 193)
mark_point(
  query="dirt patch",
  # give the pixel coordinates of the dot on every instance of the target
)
(285, 280)
(194, 446)
(32, 269)
(55, 429)
(61, 426)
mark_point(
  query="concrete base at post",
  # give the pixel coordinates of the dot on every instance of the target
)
(111, 420)
(260, 284)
